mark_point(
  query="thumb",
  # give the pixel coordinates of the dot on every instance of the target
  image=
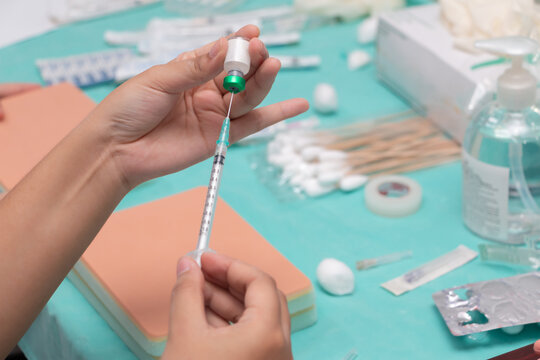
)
(187, 303)
(182, 74)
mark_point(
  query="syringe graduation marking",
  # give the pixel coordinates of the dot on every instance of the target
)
(215, 179)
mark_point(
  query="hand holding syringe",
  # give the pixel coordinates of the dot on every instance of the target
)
(237, 64)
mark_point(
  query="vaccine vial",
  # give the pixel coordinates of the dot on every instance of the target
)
(237, 64)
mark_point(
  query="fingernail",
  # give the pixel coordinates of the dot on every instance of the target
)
(184, 265)
(215, 49)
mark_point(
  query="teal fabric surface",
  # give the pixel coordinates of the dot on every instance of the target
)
(372, 321)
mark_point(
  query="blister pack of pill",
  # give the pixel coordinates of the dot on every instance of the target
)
(489, 305)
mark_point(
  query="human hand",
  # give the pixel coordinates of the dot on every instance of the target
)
(9, 89)
(169, 117)
(537, 347)
(227, 291)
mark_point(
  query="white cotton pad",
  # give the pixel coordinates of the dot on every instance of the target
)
(357, 58)
(352, 182)
(367, 30)
(313, 188)
(325, 98)
(335, 277)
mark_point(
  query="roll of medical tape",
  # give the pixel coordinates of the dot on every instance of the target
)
(393, 196)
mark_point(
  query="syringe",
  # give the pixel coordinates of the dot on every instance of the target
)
(237, 64)
(213, 187)
(381, 260)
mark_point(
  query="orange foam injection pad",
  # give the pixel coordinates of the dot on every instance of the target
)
(34, 123)
(128, 272)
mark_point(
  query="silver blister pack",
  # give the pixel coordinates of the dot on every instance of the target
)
(489, 305)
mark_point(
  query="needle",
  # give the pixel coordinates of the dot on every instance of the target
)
(230, 105)
(213, 188)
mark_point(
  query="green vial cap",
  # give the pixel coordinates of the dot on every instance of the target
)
(234, 83)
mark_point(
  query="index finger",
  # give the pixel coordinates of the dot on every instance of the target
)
(258, 289)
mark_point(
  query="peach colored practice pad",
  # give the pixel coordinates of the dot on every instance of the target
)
(133, 261)
(34, 123)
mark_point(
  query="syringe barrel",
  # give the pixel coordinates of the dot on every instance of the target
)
(212, 196)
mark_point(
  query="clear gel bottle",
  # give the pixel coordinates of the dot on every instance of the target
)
(501, 153)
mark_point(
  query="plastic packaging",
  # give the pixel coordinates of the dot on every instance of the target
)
(488, 305)
(299, 62)
(430, 271)
(501, 153)
(382, 260)
(84, 69)
(67, 11)
(510, 254)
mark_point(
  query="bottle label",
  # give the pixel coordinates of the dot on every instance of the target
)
(485, 197)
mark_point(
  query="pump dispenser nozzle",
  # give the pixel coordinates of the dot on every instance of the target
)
(516, 87)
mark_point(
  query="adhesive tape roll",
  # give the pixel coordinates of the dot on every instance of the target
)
(393, 196)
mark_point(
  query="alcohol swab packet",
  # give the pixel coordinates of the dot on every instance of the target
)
(430, 271)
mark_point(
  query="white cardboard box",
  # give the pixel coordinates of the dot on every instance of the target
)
(417, 59)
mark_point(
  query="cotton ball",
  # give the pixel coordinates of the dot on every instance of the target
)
(335, 277)
(326, 100)
(512, 330)
(357, 59)
(367, 30)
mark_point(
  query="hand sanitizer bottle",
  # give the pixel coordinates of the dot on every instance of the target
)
(501, 153)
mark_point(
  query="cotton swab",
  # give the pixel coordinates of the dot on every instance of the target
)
(314, 187)
(320, 161)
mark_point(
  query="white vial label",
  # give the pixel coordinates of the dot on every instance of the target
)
(485, 198)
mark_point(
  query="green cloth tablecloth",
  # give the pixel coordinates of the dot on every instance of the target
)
(372, 321)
